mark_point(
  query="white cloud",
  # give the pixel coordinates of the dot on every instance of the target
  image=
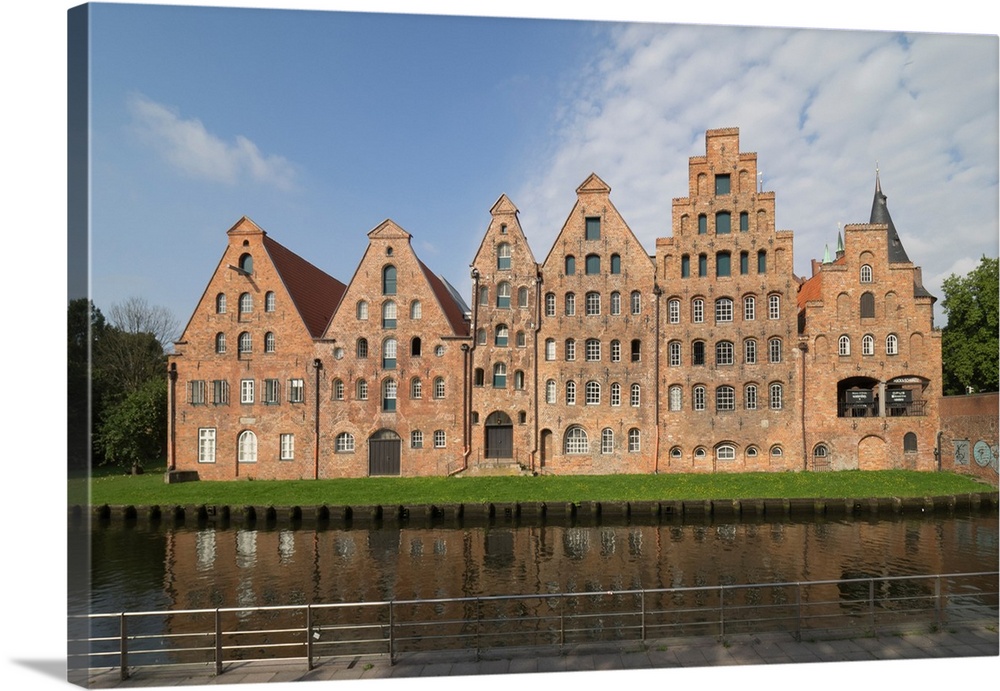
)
(196, 152)
(819, 107)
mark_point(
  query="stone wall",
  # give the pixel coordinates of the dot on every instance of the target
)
(969, 435)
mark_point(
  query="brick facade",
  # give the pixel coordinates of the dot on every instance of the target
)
(709, 356)
(969, 438)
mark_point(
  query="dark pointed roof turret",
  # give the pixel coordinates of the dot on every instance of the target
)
(880, 215)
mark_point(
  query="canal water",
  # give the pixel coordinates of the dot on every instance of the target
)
(160, 566)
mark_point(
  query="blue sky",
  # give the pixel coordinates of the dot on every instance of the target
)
(318, 125)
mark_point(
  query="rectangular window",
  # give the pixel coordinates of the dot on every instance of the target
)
(220, 392)
(593, 229)
(685, 266)
(749, 308)
(593, 350)
(722, 184)
(593, 304)
(723, 310)
(744, 263)
(570, 350)
(744, 221)
(674, 349)
(296, 391)
(702, 265)
(246, 391)
(722, 265)
(287, 447)
(723, 223)
(272, 388)
(674, 311)
(616, 395)
(774, 350)
(439, 439)
(196, 391)
(206, 445)
(774, 307)
(416, 439)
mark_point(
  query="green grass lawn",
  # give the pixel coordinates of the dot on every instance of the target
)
(116, 488)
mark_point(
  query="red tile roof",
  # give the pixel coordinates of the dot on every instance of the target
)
(315, 293)
(452, 309)
(811, 289)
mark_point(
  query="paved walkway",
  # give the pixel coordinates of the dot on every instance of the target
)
(745, 649)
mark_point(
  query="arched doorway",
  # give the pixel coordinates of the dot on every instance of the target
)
(872, 454)
(546, 448)
(499, 432)
(383, 453)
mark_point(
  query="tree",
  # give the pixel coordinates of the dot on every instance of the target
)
(85, 328)
(134, 430)
(135, 316)
(970, 343)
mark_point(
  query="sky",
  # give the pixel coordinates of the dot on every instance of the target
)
(319, 127)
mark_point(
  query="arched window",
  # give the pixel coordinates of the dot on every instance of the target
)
(415, 346)
(389, 315)
(362, 348)
(389, 395)
(821, 451)
(220, 343)
(338, 389)
(571, 393)
(570, 304)
(891, 345)
(247, 446)
(674, 311)
(519, 379)
(503, 295)
(499, 376)
(550, 304)
(503, 256)
(521, 339)
(844, 345)
(593, 303)
(616, 303)
(749, 308)
(776, 396)
(246, 303)
(416, 439)
(723, 310)
(345, 443)
(676, 398)
(616, 264)
(481, 336)
(246, 264)
(698, 353)
(868, 345)
(592, 265)
(698, 310)
(550, 349)
(550, 391)
(868, 305)
(634, 396)
(592, 393)
(607, 440)
(576, 440)
(616, 351)
(616, 395)
(592, 350)
(634, 440)
(269, 301)
(570, 265)
(866, 273)
(750, 397)
(725, 452)
(750, 351)
(389, 280)
(269, 342)
(501, 336)
(220, 303)
(484, 295)
(439, 388)
(479, 377)
(522, 297)
(675, 452)
(909, 443)
(674, 354)
(774, 307)
(724, 353)
(636, 301)
(246, 342)
(361, 390)
(416, 310)
(362, 310)
(774, 350)
(636, 350)
(570, 349)
(389, 353)
(725, 398)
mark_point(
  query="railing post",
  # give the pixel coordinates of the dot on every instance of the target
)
(478, 617)
(562, 623)
(218, 642)
(938, 608)
(798, 611)
(123, 645)
(871, 604)
(722, 613)
(392, 647)
(309, 637)
(642, 618)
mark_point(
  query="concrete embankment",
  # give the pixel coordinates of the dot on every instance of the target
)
(559, 513)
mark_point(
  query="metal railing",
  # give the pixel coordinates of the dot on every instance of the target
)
(861, 606)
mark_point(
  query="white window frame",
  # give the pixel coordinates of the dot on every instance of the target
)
(607, 440)
(723, 310)
(750, 351)
(749, 308)
(634, 440)
(592, 350)
(774, 307)
(439, 439)
(246, 445)
(344, 443)
(287, 443)
(592, 393)
(891, 345)
(576, 442)
(296, 390)
(750, 397)
(246, 390)
(635, 395)
(698, 311)
(206, 444)
(616, 395)
(674, 311)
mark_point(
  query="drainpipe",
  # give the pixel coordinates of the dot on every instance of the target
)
(657, 292)
(803, 348)
(317, 366)
(534, 338)
(467, 351)
(172, 417)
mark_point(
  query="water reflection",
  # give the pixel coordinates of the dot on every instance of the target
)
(161, 567)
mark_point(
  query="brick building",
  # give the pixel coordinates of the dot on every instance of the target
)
(709, 356)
